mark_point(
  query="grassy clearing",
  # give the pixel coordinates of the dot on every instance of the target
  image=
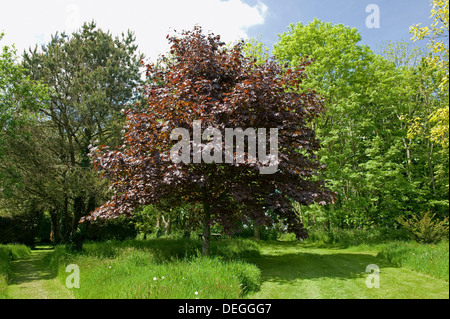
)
(174, 269)
(9, 253)
(164, 269)
(315, 271)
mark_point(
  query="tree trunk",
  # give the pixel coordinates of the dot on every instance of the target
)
(158, 225)
(206, 229)
(430, 166)
(66, 221)
(256, 231)
(167, 224)
(56, 231)
(408, 157)
(78, 211)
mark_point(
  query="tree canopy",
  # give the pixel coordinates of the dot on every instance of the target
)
(437, 34)
(369, 100)
(217, 87)
(86, 79)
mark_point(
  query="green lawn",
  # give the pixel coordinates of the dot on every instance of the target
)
(31, 279)
(289, 270)
(300, 271)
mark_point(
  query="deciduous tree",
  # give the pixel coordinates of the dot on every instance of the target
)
(378, 172)
(206, 81)
(437, 34)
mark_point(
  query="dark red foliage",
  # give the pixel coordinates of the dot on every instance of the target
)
(205, 80)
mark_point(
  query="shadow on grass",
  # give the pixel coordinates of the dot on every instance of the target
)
(285, 267)
(31, 268)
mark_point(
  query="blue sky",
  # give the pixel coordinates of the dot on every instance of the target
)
(396, 16)
(27, 23)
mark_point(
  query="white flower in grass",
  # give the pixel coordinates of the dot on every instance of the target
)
(196, 293)
(154, 278)
(162, 277)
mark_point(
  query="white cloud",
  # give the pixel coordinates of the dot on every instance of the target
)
(28, 22)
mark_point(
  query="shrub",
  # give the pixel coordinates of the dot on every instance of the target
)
(424, 228)
(354, 237)
(121, 228)
(265, 233)
(20, 228)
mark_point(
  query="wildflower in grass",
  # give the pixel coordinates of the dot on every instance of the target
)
(154, 278)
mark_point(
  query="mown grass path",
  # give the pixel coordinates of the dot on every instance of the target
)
(33, 280)
(291, 270)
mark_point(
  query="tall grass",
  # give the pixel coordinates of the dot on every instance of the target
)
(169, 249)
(353, 237)
(7, 254)
(430, 259)
(161, 269)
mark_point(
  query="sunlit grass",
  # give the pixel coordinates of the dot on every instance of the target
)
(174, 269)
(160, 269)
(308, 271)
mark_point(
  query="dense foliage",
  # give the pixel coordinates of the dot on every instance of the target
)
(379, 171)
(84, 80)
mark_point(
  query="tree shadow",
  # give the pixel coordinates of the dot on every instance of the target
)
(288, 267)
(30, 268)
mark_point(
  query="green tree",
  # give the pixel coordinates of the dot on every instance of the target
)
(92, 77)
(20, 99)
(437, 34)
(254, 48)
(371, 161)
(419, 96)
